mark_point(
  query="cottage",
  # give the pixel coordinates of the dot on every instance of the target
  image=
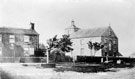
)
(104, 35)
(16, 42)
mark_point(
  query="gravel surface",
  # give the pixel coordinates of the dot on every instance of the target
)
(17, 71)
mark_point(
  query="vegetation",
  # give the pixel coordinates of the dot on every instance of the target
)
(41, 51)
(95, 46)
(58, 47)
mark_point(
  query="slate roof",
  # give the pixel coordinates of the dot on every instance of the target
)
(93, 32)
(18, 31)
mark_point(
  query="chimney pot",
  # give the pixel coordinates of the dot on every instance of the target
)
(32, 26)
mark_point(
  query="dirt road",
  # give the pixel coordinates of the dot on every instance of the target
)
(17, 71)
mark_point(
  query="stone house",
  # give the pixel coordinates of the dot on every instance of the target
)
(104, 35)
(16, 42)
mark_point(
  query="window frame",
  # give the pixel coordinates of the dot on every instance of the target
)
(26, 38)
(11, 38)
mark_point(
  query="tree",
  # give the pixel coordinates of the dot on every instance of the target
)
(41, 50)
(63, 44)
(52, 42)
(96, 46)
(90, 46)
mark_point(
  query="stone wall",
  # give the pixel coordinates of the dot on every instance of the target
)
(16, 49)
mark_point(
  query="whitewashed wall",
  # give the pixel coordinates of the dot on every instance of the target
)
(80, 47)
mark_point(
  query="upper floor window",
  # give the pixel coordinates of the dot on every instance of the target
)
(110, 46)
(12, 38)
(114, 41)
(0, 38)
(26, 38)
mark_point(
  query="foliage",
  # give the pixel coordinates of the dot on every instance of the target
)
(90, 45)
(41, 51)
(64, 43)
(96, 46)
(53, 42)
(57, 47)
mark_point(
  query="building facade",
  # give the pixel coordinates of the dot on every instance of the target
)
(104, 35)
(15, 42)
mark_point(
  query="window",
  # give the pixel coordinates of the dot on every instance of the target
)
(82, 51)
(114, 41)
(0, 38)
(26, 51)
(31, 51)
(110, 46)
(12, 38)
(26, 38)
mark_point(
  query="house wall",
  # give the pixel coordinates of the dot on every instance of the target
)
(80, 47)
(8, 49)
(34, 39)
(113, 49)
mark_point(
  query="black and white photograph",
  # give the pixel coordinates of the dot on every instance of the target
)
(67, 39)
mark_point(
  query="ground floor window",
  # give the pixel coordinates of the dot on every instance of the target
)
(82, 51)
(31, 51)
(28, 51)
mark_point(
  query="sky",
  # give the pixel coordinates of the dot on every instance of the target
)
(51, 17)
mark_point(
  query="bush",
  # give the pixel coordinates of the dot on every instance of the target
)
(68, 59)
(59, 57)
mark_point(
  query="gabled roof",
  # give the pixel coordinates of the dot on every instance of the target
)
(119, 54)
(93, 32)
(18, 31)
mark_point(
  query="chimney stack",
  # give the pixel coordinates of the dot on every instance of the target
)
(32, 25)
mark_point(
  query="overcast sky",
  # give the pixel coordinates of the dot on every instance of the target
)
(51, 17)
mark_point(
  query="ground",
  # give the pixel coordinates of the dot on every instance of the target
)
(18, 71)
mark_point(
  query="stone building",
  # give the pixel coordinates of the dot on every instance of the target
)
(16, 42)
(104, 35)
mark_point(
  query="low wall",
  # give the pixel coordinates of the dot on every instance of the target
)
(22, 59)
(97, 59)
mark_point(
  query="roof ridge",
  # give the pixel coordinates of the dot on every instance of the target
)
(91, 32)
(96, 27)
(17, 30)
(14, 28)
